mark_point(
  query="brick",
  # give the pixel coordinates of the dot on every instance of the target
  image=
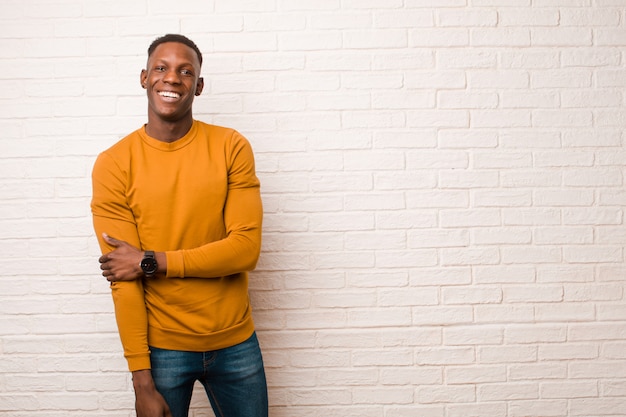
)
(446, 37)
(502, 274)
(606, 369)
(597, 254)
(469, 336)
(441, 276)
(406, 259)
(583, 292)
(529, 334)
(410, 181)
(565, 312)
(562, 118)
(562, 235)
(563, 274)
(551, 352)
(477, 410)
(337, 20)
(407, 297)
(429, 238)
(467, 179)
(438, 80)
(559, 198)
(501, 236)
(464, 18)
(398, 60)
(260, 61)
(561, 79)
(483, 58)
(465, 100)
(612, 350)
(478, 374)
(306, 41)
(478, 295)
(459, 257)
(529, 100)
(548, 408)
(404, 19)
(612, 389)
(463, 218)
(440, 159)
(391, 38)
(383, 396)
(585, 332)
(508, 392)
(561, 36)
(581, 216)
(373, 120)
(532, 59)
(432, 316)
(500, 37)
(526, 139)
(582, 407)
(427, 375)
(522, 254)
(434, 3)
(609, 37)
(404, 100)
(499, 159)
(507, 198)
(590, 57)
(445, 394)
(437, 199)
(506, 354)
(530, 372)
(530, 179)
(525, 17)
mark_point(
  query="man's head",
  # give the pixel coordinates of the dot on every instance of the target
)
(172, 79)
(171, 37)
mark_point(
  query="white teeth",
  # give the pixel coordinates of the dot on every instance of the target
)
(169, 94)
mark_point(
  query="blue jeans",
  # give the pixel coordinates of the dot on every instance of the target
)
(233, 378)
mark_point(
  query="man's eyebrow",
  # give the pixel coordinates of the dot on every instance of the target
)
(165, 61)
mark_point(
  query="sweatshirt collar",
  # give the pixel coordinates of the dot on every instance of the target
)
(169, 146)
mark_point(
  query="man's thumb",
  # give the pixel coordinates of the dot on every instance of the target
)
(110, 240)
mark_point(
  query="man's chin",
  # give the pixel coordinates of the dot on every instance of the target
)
(171, 116)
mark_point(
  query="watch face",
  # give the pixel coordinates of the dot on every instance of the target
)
(149, 265)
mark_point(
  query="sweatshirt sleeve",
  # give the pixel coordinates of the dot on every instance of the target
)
(112, 215)
(243, 216)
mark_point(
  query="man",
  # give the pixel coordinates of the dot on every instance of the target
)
(177, 211)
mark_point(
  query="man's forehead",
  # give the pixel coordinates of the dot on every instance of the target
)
(169, 48)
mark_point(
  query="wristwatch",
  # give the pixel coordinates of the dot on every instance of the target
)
(149, 264)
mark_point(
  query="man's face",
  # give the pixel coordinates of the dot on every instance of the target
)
(172, 80)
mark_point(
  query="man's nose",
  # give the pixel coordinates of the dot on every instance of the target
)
(172, 77)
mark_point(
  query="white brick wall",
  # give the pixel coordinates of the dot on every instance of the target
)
(443, 184)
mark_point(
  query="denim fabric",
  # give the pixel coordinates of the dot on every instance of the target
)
(234, 379)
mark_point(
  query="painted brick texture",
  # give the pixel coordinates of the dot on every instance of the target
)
(443, 185)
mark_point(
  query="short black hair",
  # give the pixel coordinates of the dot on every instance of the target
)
(173, 37)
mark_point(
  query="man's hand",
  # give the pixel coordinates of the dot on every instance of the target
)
(121, 264)
(148, 401)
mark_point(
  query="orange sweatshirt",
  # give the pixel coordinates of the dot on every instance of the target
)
(198, 200)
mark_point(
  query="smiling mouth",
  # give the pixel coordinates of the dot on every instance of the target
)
(169, 94)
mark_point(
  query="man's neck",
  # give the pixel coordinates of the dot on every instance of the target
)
(168, 131)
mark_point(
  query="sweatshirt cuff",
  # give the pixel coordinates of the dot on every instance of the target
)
(175, 264)
(139, 362)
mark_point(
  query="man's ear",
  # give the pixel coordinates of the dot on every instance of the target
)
(143, 78)
(199, 86)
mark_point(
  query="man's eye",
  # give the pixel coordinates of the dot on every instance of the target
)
(186, 72)
(160, 69)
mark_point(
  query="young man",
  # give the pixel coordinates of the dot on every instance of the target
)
(177, 211)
